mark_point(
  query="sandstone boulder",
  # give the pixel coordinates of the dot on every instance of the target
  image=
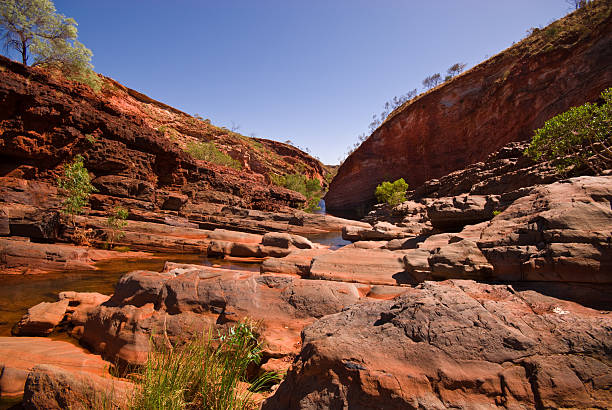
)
(18, 355)
(454, 344)
(178, 306)
(559, 232)
(297, 262)
(286, 240)
(41, 319)
(80, 306)
(382, 231)
(366, 266)
(455, 212)
(56, 388)
(245, 250)
(460, 260)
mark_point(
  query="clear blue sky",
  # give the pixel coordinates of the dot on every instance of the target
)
(310, 71)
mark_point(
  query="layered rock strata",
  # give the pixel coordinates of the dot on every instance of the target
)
(501, 100)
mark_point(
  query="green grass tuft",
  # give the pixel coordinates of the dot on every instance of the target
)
(208, 151)
(207, 373)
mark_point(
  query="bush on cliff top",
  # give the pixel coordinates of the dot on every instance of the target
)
(581, 136)
(392, 193)
(46, 38)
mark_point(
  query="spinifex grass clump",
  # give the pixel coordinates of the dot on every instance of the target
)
(207, 373)
(208, 151)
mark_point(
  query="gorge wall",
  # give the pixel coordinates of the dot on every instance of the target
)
(501, 100)
(135, 148)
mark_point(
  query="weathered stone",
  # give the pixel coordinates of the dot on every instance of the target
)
(174, 201)
(20, 354)
(297, 262)
(455, 344)
(456, 212)
(460, 260)
(367, 266)
(18, 255)
(29, 221)
(56, 388)
(121, 328)
(559, 232)
(286, 240)
(41, 319)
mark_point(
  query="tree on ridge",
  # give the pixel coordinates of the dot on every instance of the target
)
(44, 37)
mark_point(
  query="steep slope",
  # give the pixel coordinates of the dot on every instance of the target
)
(135, 147)
(501, 100)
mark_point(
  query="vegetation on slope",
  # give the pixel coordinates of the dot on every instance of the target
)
(563, 33)
(581, 136)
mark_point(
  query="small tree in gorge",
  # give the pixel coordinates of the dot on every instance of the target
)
(116, 224)
(76, 186)
(392, 193)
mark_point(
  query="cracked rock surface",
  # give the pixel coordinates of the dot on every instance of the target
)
(454, 344)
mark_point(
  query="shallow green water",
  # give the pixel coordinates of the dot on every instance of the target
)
(20, 292)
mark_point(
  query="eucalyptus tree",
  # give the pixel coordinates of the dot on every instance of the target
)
(44, 37)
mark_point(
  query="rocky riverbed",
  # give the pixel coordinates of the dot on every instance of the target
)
(488, 295)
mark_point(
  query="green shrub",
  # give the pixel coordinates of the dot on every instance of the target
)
(75, 187)
(86, 76)
(205, 374)
(392, 193)
(310, 188)
(580, 136)
(168, 131)
(91, 138)
(208, 151)
(116, 223)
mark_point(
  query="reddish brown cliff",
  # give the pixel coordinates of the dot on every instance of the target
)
(501, 100)
(134, 146)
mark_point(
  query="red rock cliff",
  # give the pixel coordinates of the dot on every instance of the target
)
(134, 147)
(501, 100)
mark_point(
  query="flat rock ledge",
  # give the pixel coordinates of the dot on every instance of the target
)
(18, 355)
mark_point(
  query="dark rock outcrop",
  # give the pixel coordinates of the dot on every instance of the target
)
(134, 147)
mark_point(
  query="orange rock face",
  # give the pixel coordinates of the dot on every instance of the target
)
(136, 149)
(503, 99)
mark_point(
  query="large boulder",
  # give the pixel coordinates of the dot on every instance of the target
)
(381, 231)
(454, 344)
(455, 212)
(188, 298)
(286, 240)
(297, 262)
(560, 232)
